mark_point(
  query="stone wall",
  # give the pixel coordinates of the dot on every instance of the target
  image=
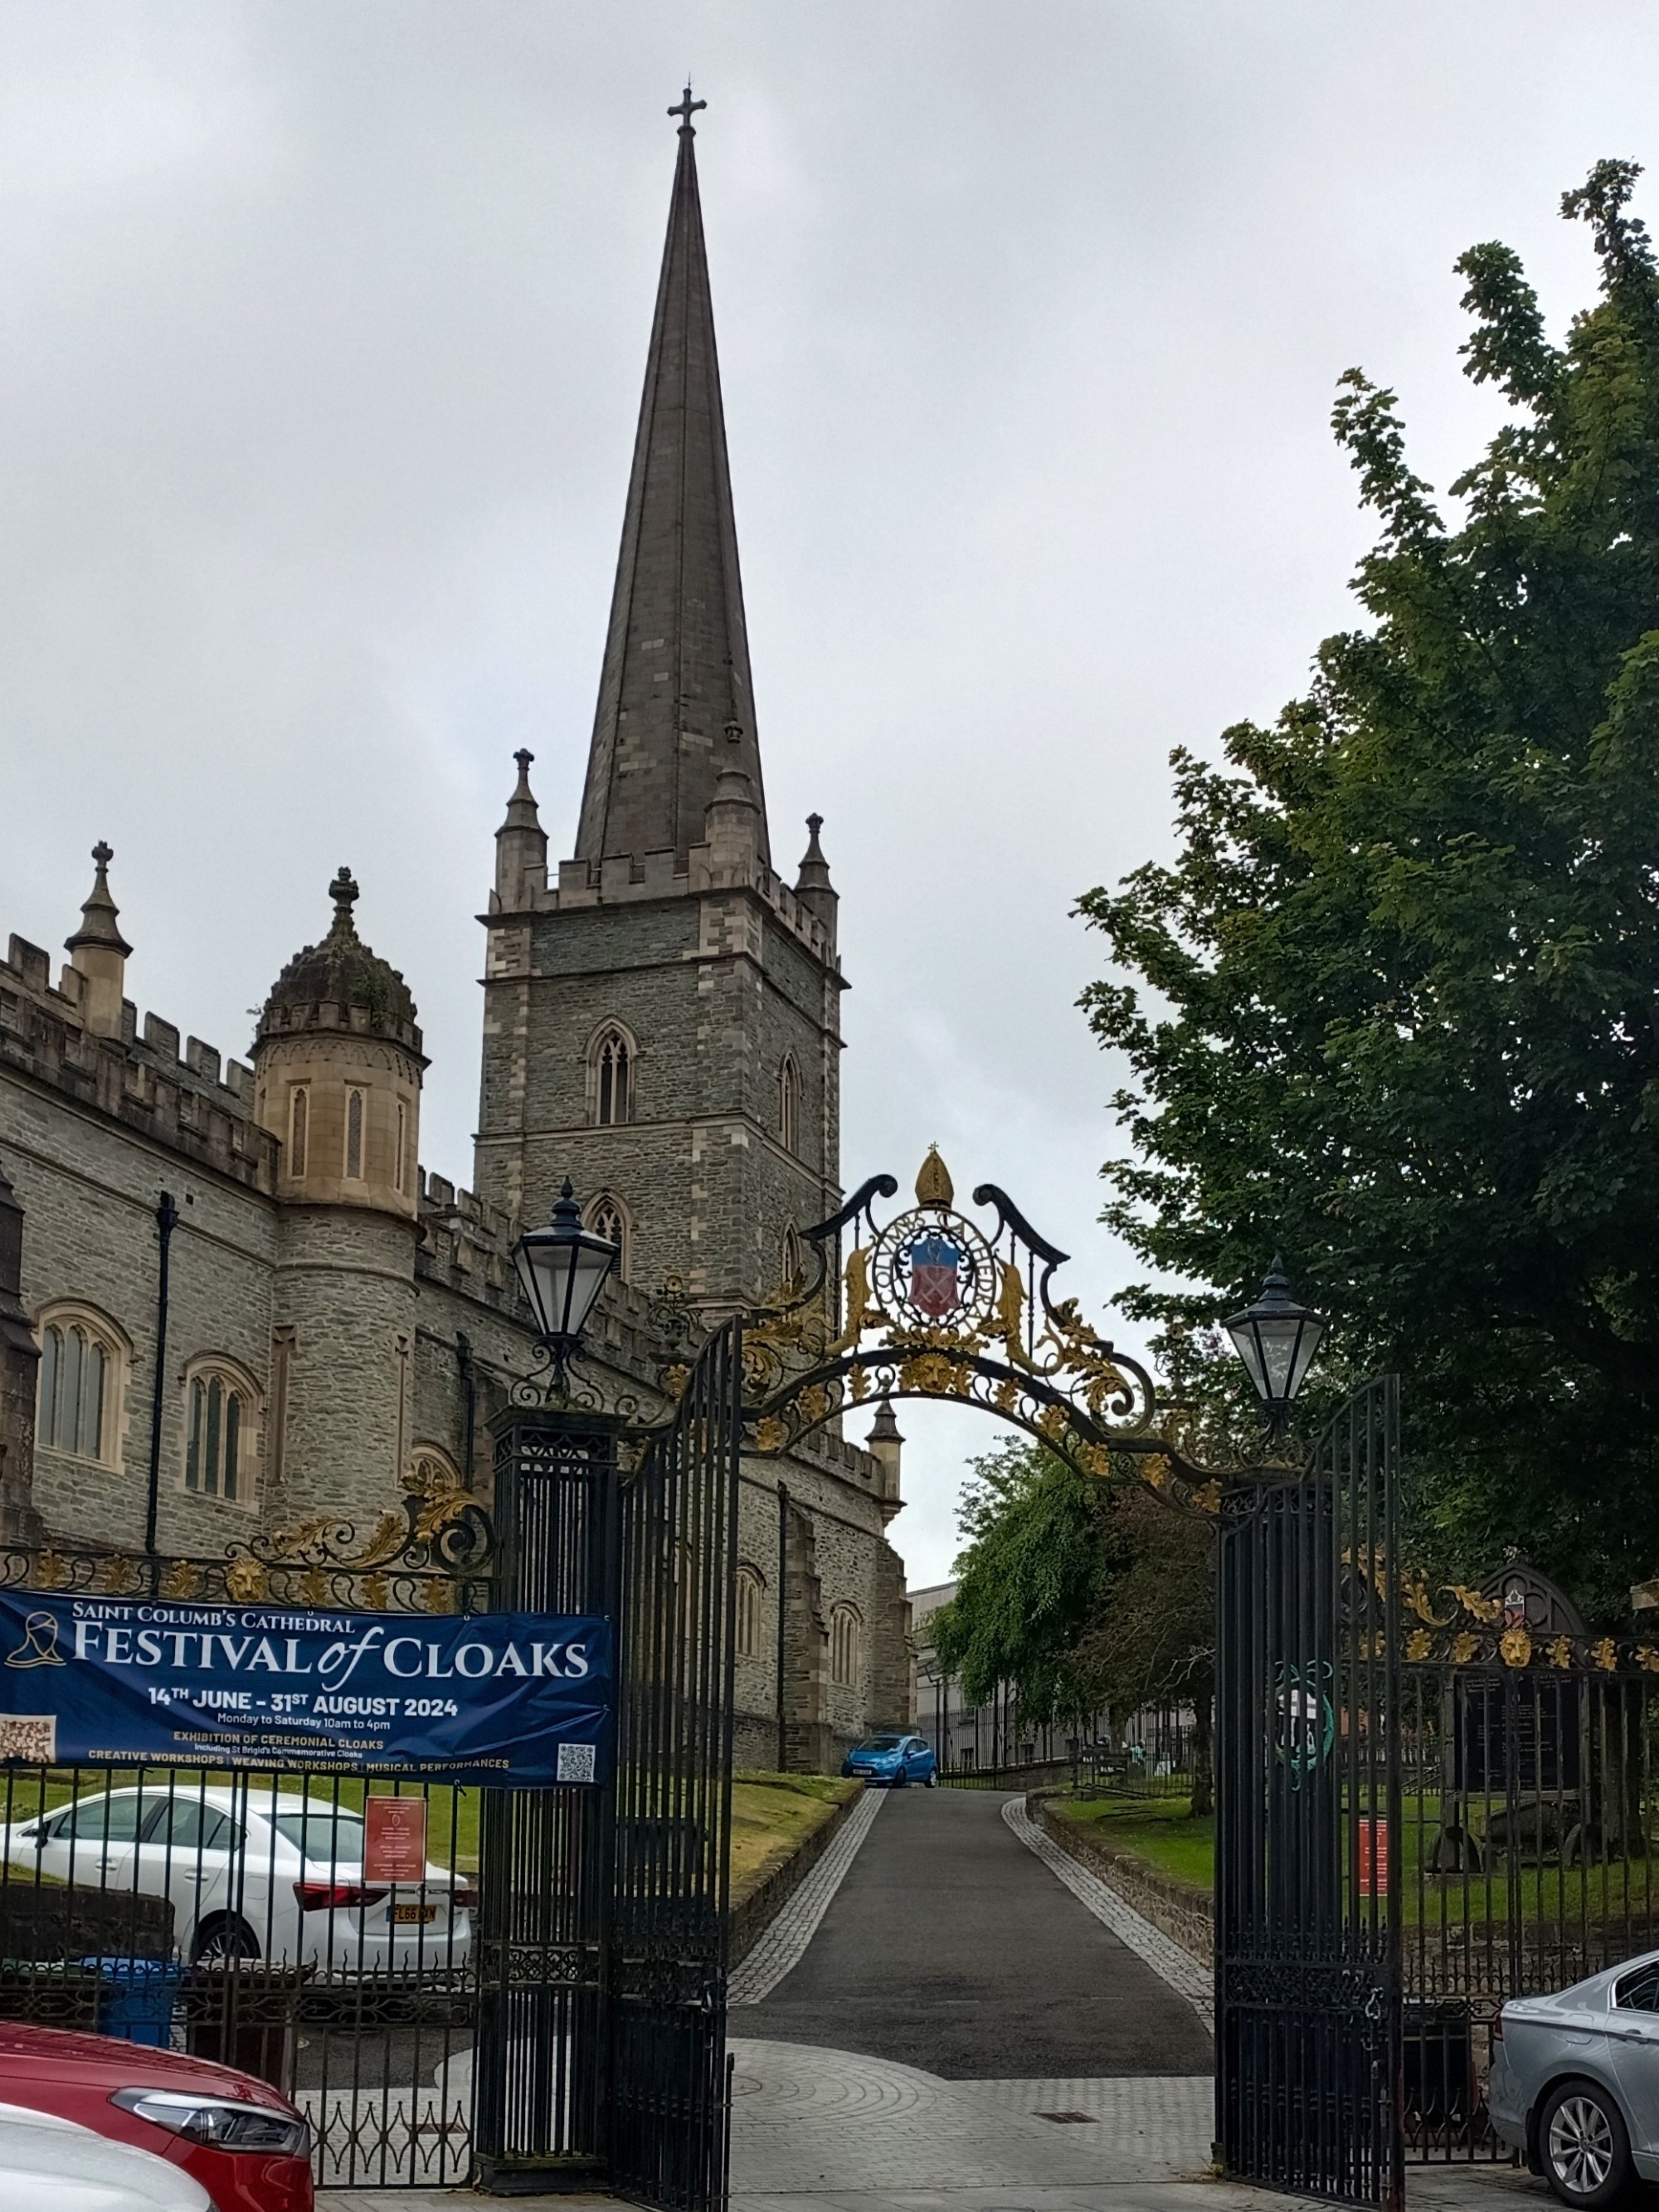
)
(1186, 1915)
(711, 993)
(366, 1345)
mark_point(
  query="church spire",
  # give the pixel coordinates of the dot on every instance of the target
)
(677, 656)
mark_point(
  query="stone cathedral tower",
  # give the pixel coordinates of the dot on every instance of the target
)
(661, 1019)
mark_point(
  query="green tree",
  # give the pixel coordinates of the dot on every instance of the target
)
(1084, 1597)
(1392, 1006)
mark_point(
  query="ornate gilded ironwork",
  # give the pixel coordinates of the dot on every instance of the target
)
(437, 1555)
(932, 1304)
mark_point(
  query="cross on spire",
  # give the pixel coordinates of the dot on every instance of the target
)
(687, 108)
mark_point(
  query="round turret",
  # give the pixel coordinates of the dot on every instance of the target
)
(338, 1058)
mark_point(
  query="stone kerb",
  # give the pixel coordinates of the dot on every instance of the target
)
(752, 1917)
(1185, 1915)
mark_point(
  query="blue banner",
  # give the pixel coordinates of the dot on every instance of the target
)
(518, 1698)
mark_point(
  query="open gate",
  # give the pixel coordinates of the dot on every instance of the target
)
(669, 2103)
(1308, 1983)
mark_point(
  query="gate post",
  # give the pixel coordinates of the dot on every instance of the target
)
(546, 1856)
(1307, 1984)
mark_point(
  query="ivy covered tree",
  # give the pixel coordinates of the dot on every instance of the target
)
(1394, 1007)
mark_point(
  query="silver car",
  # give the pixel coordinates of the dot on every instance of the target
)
(1575, 2082)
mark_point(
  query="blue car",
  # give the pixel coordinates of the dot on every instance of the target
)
(897, 1761)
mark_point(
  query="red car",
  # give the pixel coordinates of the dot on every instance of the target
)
(246, 2146)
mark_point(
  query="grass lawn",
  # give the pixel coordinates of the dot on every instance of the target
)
(1621, 1893)
(771, 1814)
(1160, 1830)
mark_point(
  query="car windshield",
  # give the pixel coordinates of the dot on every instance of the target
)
(322, 1832)
(882, 1743)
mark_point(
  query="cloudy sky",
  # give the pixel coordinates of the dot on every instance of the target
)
(321, 329)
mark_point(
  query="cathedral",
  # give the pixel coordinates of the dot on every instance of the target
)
(230, 1297)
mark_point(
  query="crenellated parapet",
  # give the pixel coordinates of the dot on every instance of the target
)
(183, 1095)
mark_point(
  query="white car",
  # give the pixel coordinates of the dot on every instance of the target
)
(57, 2166)
(254, 1873)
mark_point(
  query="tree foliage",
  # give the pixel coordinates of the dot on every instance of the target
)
(1084, 1597)
(1393, 1004)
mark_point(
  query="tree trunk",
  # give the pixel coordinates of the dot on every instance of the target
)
(1203, 1754)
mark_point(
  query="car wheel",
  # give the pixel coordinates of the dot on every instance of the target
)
(222, 1940)
(902, 1779)
(1585, 2146)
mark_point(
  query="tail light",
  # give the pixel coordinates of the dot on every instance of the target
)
(336, 1896)
(1496, 2031)
(462, 1899)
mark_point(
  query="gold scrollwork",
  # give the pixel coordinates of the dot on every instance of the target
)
(1561, 1653)
(50, 1571)
(1463, 1648)
(1419, 1644)
(441, 1510)
(183, 1579)
(1605, 1654)
(1487, 1609)
(860, 1310)
(390, 1534)
(1009, 1319)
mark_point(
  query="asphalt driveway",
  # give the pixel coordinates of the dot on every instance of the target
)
(950, 1947)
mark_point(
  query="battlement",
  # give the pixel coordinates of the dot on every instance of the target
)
(619, 881)
(185, 1098)
(465, 1242)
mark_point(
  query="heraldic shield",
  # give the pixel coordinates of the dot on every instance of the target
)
(935, 1276)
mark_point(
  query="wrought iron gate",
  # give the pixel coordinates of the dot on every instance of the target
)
(670, 2099)
(601, 2052)
(1308, 1993)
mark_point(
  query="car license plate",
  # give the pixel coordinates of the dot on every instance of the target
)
(413, 1916)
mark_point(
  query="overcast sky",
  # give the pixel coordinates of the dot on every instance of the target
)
(322, 324)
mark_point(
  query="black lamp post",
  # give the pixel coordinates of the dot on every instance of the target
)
(1277, 1339)
(563, 1268)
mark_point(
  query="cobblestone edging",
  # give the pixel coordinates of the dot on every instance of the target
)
(1188, 1977)
(775, 1924)
(1186, 1915)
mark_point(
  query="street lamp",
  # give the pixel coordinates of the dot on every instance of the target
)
(1276, 1339)
(563, 1268)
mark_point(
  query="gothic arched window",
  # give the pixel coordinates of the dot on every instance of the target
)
(844, 1639)
(793, 1267)
(789, 1104)
(82, 1370)
(606, 1218)
(354, 1136)
(613, 1073)
(299, 1115)
(750, 1596)
(221, 1429)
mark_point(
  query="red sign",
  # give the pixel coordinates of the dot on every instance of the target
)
(1373, 1857)
(394, 1840)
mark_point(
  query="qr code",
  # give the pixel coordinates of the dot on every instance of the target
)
(576, 1763)
(32, 1737)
